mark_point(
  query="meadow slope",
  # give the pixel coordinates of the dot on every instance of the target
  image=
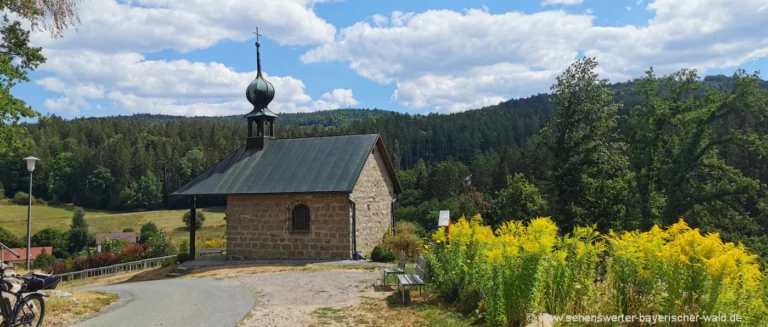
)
(14, 219)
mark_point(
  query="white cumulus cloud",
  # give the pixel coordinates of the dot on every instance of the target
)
(111, 26)
(134, 84)
(441, 60)
(338, 98)
(448, 61)
(105, 58)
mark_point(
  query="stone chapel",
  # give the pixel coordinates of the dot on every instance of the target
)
(319, 198)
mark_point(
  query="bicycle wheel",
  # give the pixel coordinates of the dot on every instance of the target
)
(30, 311)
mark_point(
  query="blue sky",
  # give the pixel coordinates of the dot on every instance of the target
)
(196, 57)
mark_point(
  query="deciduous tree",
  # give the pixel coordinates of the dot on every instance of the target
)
(9, 239)
(680, 134)
(57, 239)
(521, 200)
(17, 58)
(199, 219)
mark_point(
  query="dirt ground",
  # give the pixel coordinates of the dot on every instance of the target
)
(293, 298)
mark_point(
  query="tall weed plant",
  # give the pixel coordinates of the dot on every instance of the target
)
(524, 268)
(679, 271)
(405, 239)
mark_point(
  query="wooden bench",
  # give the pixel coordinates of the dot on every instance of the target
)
(419, 279)
(396, 271)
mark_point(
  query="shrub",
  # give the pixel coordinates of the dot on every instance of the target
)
(182, 257)
(21, 198)
(59, 267)
(113, 245)
(160, 245)
(406, 240)
(169, 261)
(102, 259)
(134, 253)
(199, 219)
(43, 260)
(80, 263)
(128, 230)
(147, 231)
(382, 254)
(184, 245)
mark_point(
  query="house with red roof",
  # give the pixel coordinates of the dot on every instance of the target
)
(9, 259)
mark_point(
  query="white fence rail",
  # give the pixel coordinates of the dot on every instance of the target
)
(130, 266)
(115, 269)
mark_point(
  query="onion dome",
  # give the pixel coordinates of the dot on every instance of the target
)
(260, 92)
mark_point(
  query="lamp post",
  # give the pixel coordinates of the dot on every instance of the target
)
(30, 167)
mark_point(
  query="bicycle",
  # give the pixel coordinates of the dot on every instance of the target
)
(29, 307)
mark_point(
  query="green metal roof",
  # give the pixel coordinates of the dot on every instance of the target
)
(303, 165)
(260, 112)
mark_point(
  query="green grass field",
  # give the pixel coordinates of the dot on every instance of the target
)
(14, 219)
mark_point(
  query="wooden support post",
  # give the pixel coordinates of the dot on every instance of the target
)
(192, 223)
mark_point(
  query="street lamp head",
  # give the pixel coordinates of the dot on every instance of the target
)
(31, 163)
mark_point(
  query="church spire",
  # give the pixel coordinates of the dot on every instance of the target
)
(260, 93)
(258, 53)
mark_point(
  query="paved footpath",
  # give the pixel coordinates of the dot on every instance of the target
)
(175, 302)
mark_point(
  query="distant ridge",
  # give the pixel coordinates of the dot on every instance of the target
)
(341, 117)
(336, 117)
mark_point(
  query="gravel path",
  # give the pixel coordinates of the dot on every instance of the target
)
(175, 302)
(289, 298)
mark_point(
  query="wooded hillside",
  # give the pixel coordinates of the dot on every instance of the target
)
(665, 147)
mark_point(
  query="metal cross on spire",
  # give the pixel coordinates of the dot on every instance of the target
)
(257, 34)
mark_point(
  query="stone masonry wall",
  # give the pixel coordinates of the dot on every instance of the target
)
(259, 227)
(373, 196)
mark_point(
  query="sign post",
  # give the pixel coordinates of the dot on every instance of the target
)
(445, 221)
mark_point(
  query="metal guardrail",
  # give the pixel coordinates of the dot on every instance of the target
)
(115, 269)
(208, 252)
(130, 266)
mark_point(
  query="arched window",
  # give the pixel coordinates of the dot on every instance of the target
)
(300, 218)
